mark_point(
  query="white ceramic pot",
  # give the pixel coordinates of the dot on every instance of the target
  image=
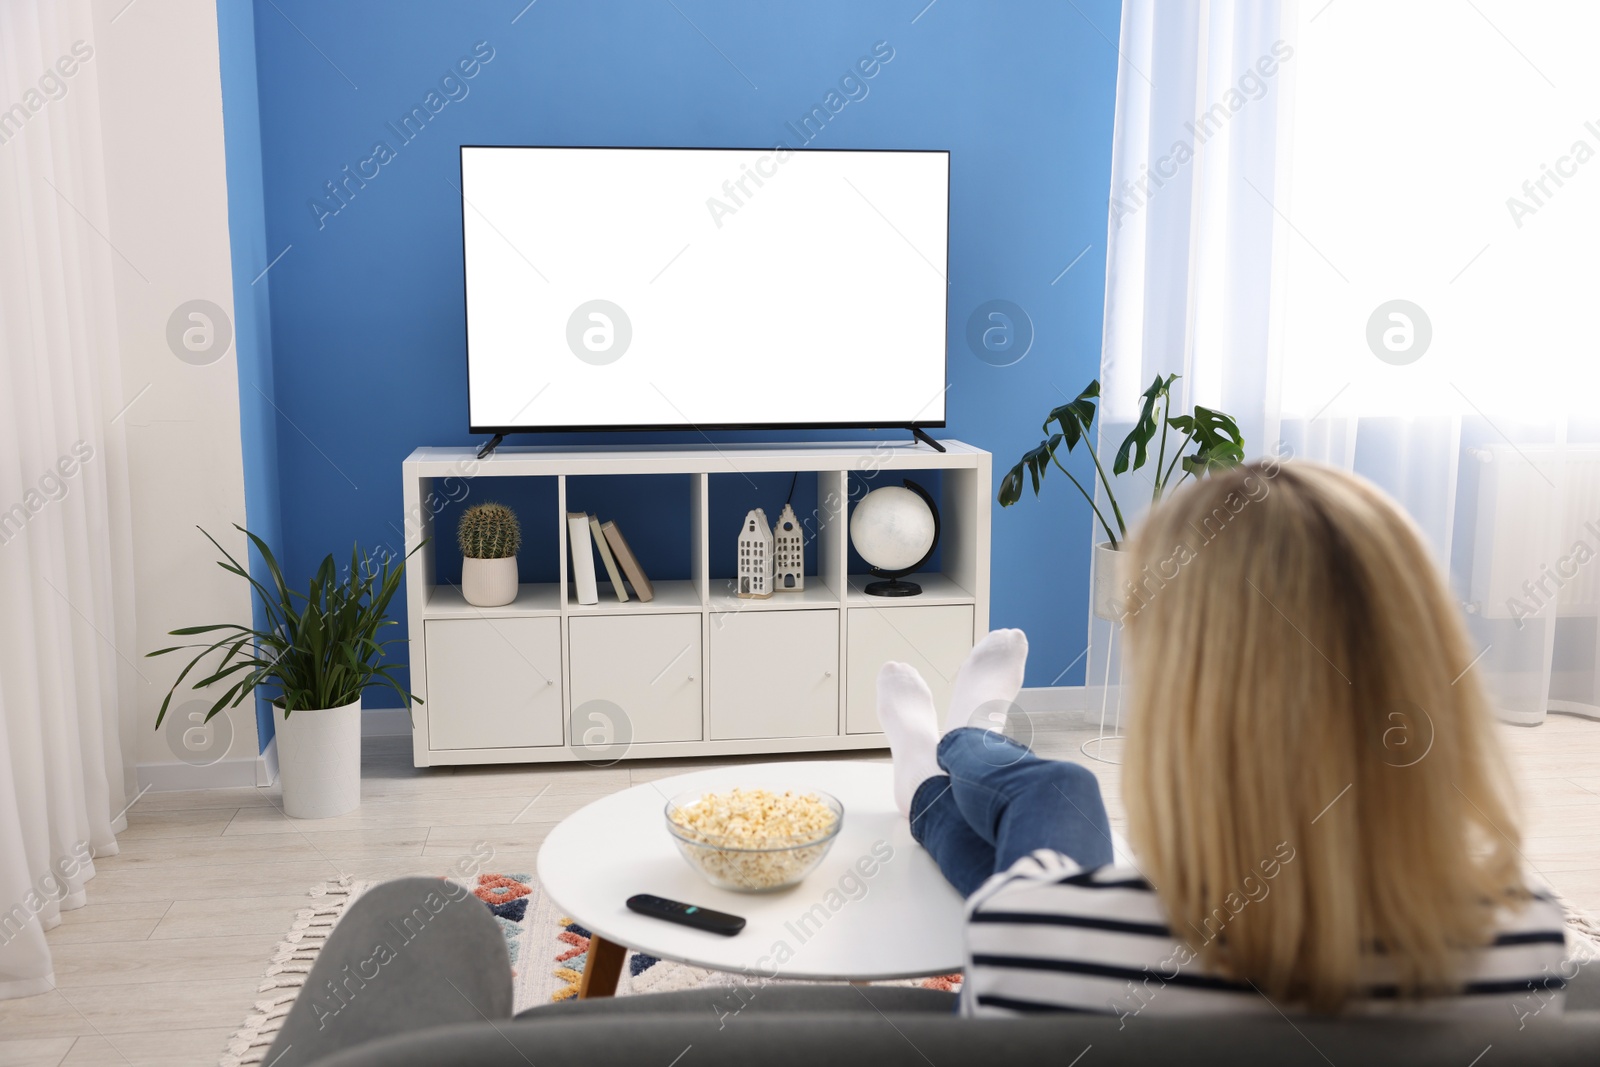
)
(1106, 581)
(319, 760)
(489, 583)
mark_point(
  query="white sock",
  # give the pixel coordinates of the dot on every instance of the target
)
(988, 682)
(905, 708)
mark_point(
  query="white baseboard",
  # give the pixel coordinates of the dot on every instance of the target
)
(231, 773)
(1071, 705)
(385, 722)
(267, 764)
(1064, 705)
(170, 775)
(1056, 698)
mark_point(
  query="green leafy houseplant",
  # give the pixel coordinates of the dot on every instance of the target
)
(489, 531)
(1215, 436)
(319, 649)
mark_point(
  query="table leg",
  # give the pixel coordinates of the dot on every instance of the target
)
(602, 969)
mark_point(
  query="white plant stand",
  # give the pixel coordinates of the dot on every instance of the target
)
(1103, 739)
(1103, 606)
(697, 671)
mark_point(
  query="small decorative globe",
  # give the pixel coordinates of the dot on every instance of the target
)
(892, 528)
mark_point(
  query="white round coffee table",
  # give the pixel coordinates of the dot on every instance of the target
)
(875, 908)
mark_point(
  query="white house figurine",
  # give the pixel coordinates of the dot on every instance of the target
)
(755, 556)
(788, 553)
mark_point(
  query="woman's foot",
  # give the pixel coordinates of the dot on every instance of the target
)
(905, 708)
(988, 682)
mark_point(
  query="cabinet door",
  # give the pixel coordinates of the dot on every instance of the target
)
(774, 674)
(646, 665)
(493, 683)
(934, 640)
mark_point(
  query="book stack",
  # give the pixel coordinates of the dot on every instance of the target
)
(587, 536)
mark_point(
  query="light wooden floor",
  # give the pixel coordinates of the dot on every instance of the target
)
(163, 964)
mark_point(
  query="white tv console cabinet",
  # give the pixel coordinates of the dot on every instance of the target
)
(695, 671)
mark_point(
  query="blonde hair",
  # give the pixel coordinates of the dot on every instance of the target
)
(1311, 780)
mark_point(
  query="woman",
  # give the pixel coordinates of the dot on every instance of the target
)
(1315, 796)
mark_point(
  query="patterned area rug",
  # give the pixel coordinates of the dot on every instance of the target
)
(548, 952)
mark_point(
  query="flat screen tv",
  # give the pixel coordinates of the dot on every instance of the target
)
(676, 288)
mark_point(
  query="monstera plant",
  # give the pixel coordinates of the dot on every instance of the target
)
(1213, 436)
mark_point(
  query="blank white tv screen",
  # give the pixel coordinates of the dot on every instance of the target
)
(651, 287)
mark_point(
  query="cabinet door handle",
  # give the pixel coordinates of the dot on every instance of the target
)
(691, 678)
(827, 674)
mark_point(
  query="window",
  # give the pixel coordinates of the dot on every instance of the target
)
(1446, 154)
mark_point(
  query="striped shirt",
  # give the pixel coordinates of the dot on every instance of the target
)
(1046, 935)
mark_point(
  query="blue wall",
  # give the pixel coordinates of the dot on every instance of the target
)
(247, 232)
(366, 352)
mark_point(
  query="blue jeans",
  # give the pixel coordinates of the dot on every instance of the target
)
(998, 802)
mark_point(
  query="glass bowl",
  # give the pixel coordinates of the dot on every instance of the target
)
(778, 862)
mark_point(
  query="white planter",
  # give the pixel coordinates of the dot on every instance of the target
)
(1106, 582)
(489, 583)
(319, 760)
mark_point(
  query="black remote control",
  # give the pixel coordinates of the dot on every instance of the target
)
(674, 911)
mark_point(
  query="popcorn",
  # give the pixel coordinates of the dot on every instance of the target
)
(754, 838)
(755, 818)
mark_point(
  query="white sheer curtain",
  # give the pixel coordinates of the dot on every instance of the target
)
(1381, 256)
(1202, 90)
(66, 604)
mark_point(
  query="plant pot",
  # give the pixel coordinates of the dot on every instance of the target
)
(489, 583)
(1106, 580)
(319, 760)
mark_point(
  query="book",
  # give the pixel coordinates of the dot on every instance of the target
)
(608, 559)
(582, 558)
(630, 564)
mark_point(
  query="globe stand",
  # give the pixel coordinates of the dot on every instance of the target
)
(892, 587)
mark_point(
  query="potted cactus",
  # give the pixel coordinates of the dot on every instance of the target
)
(490, 536)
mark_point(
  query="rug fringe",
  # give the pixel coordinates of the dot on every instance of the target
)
(290, 962)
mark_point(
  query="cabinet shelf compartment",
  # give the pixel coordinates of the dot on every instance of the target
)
(696, 671)
(533, 500)
(655, 514)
